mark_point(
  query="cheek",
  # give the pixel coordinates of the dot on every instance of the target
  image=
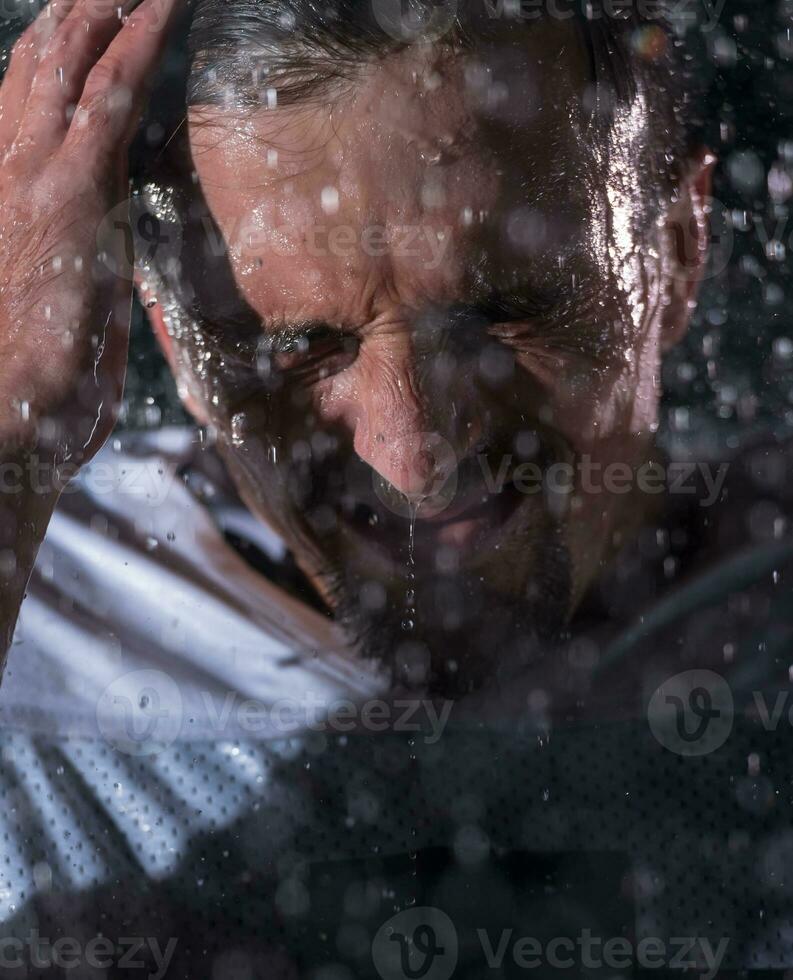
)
(593, 398)
(604, 403)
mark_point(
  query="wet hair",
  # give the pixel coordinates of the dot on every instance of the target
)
(247, 54)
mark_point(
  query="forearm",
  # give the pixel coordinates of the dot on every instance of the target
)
(27, 499)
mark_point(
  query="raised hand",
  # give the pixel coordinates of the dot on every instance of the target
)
(69, 106)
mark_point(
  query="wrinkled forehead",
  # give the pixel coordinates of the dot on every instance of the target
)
(485, 160)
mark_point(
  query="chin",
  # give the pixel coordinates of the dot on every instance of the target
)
(450, 631)
(470, 588)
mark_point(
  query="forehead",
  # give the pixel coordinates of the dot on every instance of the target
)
(431, 174)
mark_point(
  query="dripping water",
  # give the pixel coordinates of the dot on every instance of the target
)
(409, 618)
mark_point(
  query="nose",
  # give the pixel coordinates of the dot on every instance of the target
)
(396, 431)
(395, 437)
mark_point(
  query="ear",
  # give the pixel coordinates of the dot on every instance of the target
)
(688, 235)
(157, 321)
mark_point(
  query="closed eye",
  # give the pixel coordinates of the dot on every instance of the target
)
(553, 339)
(312, 354)
(302, 352)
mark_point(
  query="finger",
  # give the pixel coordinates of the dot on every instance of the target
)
(63, 67)
(21, 70)
(116, 87)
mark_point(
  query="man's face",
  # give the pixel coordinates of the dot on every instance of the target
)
(401, 297)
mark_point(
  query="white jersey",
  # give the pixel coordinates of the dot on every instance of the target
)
(143, 630)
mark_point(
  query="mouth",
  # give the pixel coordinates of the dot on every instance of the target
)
(472, 523)
(479, 509)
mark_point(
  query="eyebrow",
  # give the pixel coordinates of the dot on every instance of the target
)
(497, 306)
(524, 301)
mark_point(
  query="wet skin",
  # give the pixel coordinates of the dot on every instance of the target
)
(70, 102)
(440, 274)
